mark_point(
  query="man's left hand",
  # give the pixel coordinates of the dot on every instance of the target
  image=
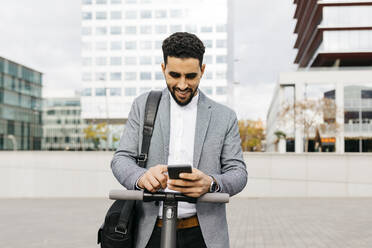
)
(192, 184)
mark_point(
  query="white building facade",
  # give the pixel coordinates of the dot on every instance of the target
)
(121, 50)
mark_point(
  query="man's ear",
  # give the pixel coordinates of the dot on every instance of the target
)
(202, 69)
(163, 68)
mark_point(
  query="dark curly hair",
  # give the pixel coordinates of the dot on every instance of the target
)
(183, 45)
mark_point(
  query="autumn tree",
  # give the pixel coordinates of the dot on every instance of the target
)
(251, 135)
(96, 133)
(312, 116)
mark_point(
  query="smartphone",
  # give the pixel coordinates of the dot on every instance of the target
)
(175, 170)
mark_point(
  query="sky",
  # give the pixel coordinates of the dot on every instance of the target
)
(45, 35)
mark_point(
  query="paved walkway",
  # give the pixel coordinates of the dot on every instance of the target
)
(259, 223)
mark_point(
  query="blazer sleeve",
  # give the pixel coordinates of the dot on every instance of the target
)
(234, 176)
(123, 164)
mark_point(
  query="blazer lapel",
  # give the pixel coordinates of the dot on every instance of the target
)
(164, 114)
(202, 122)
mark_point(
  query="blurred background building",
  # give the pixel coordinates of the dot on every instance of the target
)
(63, 127)
(20, 107)
(334, 57)
(121, 50)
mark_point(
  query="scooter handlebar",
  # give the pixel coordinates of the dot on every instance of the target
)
(138, 195)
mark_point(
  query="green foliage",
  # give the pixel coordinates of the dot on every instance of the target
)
(251, 135)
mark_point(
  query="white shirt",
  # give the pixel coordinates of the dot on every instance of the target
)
(181, 144)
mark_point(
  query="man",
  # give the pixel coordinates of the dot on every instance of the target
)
(189, 129)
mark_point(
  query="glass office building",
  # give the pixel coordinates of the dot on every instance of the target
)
(20, 107)
(121, 50)
(334, 54)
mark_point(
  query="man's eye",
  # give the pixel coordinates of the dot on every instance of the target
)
(191, 76)
(174, 74)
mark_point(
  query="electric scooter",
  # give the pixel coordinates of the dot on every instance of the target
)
(170, 207)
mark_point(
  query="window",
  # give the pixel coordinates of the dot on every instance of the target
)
(115, 61)
(86, 61)
(208, 43)
(86, 30)
(221, 43)
(158, 44)
(145, 60)
(191, 28)
(86, 92)
(101, 46)
(87, 76)
(86, 46)
(87, 16)
(130, 76)
(175, 13)
(101, 15)
(207, 90)
(86, 2)
(115, 76)
(130, 60)
(145, 75)
(146, 14)
(115, 1)
(131, 45)
(115, 91)
(220, 75)
(221, 28)
(101, 30)
(115, 30)
(131, 30)
(146, 29)
(146, 44)
(366, 94)
(158, 59)
(101, 1)
(221, 90)
(175, 28)
(101, 76)
(115, 15)
(115, 45)
(221, 59)
(206, 29)
(130, 91)
(100, 91)
(161, 29)
(159, 75)
(101, 61)
(161, 13)
(131, 14)
(130, 1)
(208, 59)
(208, 75)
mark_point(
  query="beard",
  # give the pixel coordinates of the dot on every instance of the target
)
(185, 102)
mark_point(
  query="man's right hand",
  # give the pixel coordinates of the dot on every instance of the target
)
(154, 178)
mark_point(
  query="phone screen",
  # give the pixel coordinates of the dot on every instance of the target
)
(175, 170)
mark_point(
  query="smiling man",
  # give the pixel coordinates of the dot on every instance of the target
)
(190, 129)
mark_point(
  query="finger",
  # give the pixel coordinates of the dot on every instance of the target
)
(189, 176)
(148, 186)
(154, 182)
(183, 183)
(162, 179)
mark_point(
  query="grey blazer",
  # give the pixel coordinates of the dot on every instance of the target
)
(217, 152)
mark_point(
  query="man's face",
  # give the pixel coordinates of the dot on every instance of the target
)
(183, 77)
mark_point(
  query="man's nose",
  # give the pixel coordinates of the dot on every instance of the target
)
(182, 83)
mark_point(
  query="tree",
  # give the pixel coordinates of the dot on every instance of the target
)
(96, 133)
(251, 135)
(311, 115)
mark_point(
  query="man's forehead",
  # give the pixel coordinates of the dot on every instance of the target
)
(183, 65)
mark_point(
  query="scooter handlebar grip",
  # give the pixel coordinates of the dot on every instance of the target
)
(215, 197)
(126, 195)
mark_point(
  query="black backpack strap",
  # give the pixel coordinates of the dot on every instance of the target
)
(151, 110)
